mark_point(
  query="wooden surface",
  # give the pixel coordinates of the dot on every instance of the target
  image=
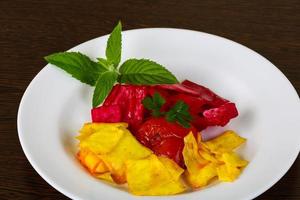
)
(32, 29)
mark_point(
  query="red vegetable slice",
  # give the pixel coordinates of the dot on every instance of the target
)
(200, 122)
(113, 96)
(172, 148)
(178, 88)
(221, 115)
(163, 137)
(196, 104)
(205, 93)
(207, 108)
(163, 92)
(118, 96)
(128, 98)
(136, 111)
(107, 114)
(159, 128)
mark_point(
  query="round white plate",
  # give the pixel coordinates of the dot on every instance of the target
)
(55, 106)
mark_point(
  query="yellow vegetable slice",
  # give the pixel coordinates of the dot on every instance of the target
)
(172, 166)
(204, 152)
(231, 168)
(90, 128)
(128, 148)
(91, 161)
(192, 158)
(226, 142)
(103, 140)
(199, 171)
(227, 173)
(105, 176)
(202, 176)
(149, 176)
(208, 156)
(101, 168)
(233, 159)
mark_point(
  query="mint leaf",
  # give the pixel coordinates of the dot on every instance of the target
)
(146, 72)
(103, 87)
(109, 66)
(154, 104)
(114, 46)
(180, 113)
(104, 62)
(78, 65)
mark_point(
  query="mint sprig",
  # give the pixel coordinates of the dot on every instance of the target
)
(178, 113)
(106, 72)
(146, 72)
(104, 85)
(78, 65)
(114, 46)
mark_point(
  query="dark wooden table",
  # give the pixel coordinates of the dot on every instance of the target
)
(32, 29)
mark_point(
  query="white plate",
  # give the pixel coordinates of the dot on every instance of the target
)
(55, 106)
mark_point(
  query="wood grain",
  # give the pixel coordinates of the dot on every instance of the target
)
(32, 29)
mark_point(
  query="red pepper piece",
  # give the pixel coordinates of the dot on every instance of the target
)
(163, 92)
(112, 99)
(129, 99)
(220, 116)
(207, 108)
(199, 122)
(196, 104)
(159, 126)
(134, 114)
(107, 114)
(178, 88)
(205, 93)
(164, 137)
(172, 148)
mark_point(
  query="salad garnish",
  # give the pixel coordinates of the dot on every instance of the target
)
(106, 72)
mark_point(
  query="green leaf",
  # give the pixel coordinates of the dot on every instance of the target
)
(78, 65)
(180, 113)
(158, 100)
(183, 122)
(104, 62)
(114, 46)
(103, 87)
(109, 66)
(146, 72)
(154, 104)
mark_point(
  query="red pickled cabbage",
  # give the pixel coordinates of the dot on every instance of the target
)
(108, 114)
(128, 98)
(206, 107)
(221, 115)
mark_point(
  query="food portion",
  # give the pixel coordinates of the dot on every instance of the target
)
(125, 103)
(145, 129)
(205, 161)
(125, 160)
(111, 152)
(154, 176)
(161, 116)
